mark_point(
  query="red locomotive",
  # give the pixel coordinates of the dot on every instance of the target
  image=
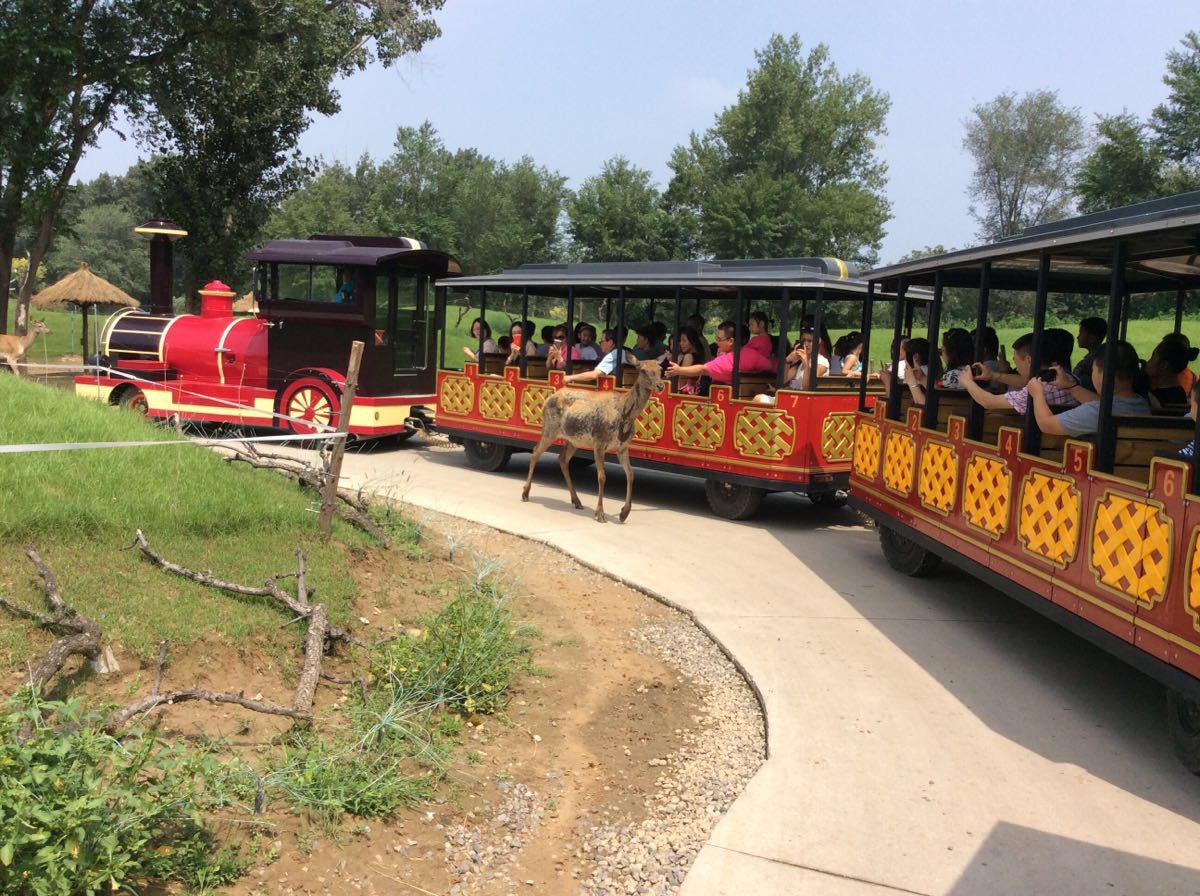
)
(286, 365)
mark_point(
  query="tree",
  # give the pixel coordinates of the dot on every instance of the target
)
(72, 65)
(1124, 166)
(617, 215)
(791, 167)
(1025, 151)
(1177, 121)
(336, 200)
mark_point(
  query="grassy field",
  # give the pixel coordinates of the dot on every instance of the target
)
(81, 509)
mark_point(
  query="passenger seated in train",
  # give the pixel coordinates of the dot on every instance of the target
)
(1085, 418)
(521, 336)
(797, 371)
(1092, 331)
(1189, 449)
(885, 373)
(848, 352)
(956, 353)
(989, 351)
(760, 338)
(489, 344)
(1168, 360)
(612, 343)
(649, 345)
(556, 354)
(585, 348)
(543, 348)
(1056, 349)
(690, 350)
(1186, 377)
(720, 368)
(916, 367)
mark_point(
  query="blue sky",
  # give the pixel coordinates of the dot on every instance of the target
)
(575, 83)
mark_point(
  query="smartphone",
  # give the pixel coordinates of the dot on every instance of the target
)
(977, 369)
(1048, 376)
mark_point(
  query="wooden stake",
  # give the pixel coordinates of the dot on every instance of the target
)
(334, 472)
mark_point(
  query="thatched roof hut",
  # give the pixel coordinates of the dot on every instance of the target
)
(83, 288)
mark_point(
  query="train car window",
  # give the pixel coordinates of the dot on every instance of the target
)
(314, 283)
(383, 302)
(411, 322)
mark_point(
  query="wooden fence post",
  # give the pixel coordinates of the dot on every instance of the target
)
(334, 472)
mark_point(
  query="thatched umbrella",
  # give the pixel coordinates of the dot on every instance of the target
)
(246, 304)
(83, 288)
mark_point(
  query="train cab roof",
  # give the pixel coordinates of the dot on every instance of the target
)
(1161, 239)
(711, 278)
(358, 251)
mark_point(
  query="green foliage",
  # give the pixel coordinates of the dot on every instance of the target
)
(336, 200)
(84, 813)
(1025, 151)
(1177, 121)
(618, 215)
(103, 238)
(1123, 168)
(465, 657)
(791, 168)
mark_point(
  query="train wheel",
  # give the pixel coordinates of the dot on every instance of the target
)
(310, 400)
(491, 457)
(733, 502)
(134, 399)
(906, 556)
(1183, 721)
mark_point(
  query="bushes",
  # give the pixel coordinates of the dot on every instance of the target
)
(83, 813)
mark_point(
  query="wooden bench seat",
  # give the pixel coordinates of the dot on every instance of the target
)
(493, 362)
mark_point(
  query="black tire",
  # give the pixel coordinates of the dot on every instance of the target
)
(906, 556)
(733, 502)
(1183, 722)
(491, 457)
(134, 399)
(829, 499)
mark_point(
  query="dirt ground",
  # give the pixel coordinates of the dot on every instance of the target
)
(573, 750)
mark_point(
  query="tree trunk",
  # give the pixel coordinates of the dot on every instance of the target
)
(5, 281)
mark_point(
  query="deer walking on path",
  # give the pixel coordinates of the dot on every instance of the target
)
(601, 421)
(13, 348)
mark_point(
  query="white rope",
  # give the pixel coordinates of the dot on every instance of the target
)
(33, 448)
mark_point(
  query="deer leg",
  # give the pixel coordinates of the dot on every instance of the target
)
(545, 442)
(564, 463)
(12, 365)
(600, 450)
(623, 457)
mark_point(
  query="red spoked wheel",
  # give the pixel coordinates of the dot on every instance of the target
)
(311, 404)
(134, 399)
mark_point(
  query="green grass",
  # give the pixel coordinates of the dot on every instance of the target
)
(64, 333)
(81, 509)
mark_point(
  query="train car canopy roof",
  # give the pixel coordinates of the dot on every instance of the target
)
(1162, 238)
(362, 251)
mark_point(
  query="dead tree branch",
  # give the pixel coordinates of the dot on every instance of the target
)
(123, 716)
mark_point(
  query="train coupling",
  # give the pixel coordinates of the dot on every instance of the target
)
(420, 419)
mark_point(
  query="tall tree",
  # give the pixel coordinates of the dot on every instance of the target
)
(1177, 121)
(1124, 166)
(72, 65)
(1025, 151)
(336, 200)
(790, 168)
(617, 215)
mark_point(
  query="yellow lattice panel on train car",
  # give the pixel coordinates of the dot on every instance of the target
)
(939, 476)
(765, 433)
(496, 400)
(533, 402)
(1131, 547)
(698, 424)
(899, 462)
(837, 437)
(1048, 518)
(866, 450)
(1193, 589)
(987, 490)
(649, 424)
(456, 396)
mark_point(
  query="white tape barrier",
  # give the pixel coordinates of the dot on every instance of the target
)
(204, 443)
(126, 375)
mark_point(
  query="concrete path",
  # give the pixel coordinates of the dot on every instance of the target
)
(926, 736)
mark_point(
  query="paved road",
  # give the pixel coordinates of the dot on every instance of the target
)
(927, 737)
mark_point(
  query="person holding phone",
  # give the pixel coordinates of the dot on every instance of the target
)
(1056, 348)
(1084, 418)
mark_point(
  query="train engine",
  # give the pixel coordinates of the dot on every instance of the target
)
(285, 366)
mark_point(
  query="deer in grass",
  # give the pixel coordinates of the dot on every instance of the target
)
(601, 421)
(13, 348)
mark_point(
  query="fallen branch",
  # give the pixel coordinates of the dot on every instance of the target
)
(123, 716)
(352, 506)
